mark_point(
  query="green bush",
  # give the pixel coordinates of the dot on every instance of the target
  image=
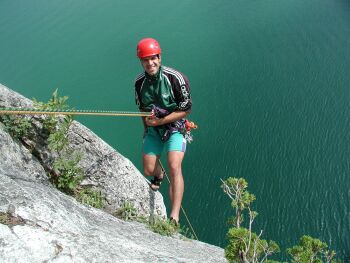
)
(69, 174)
(58, 140)
(163, 227)
(156, 223)
(17, 126)
(238, 249)
(311, 250)
(127, 212)
(54, 104)
(91, 197)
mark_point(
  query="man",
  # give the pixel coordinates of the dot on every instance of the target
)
(166, 92)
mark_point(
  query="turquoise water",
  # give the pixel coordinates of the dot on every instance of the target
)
(270, 86)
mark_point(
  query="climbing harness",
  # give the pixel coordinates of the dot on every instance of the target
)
(29, 111)
(183, 126)
(182, 209)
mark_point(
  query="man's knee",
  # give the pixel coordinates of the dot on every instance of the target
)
(174, 167)
(149, 169)
(174, 162)
(149, 165)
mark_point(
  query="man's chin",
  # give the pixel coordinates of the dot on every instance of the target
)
(152, 73)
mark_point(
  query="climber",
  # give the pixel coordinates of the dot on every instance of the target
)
(166, 90)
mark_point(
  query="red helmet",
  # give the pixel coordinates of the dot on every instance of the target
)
(148, 47)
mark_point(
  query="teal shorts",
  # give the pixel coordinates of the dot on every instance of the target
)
(153, 144)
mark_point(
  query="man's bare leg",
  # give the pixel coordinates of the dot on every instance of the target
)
(151, 166)
(176, 188)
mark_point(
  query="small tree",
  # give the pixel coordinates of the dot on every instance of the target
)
(244, 246)
(66, 174)
(311, 250)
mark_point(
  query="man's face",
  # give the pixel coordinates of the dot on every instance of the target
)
(151, 64)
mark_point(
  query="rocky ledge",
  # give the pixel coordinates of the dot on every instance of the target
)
(38, 223)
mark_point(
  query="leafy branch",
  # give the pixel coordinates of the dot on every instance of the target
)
(245, 246)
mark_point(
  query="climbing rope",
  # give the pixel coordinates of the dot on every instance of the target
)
(182, 209)
(28, 111)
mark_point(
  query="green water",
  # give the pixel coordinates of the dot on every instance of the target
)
(270, 87)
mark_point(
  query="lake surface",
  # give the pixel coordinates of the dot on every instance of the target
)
(270, 87)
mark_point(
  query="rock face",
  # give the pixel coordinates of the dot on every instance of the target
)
(38, 223)
(104, 168)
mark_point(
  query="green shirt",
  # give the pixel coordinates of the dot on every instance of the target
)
(168, 89)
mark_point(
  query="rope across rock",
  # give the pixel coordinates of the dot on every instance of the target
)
(31, 111)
